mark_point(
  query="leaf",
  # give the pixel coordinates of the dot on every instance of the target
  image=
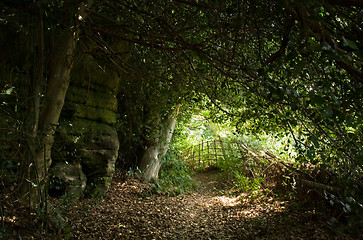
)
(32, 183)
(314, 139)
(311, 153)
(327, 112)
(350, 44)
(317, 100)
(347, 208)
(359, 53)
(359, 158)
(9, 90)
(299, 67)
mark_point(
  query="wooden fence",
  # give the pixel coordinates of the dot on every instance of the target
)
(210, 153)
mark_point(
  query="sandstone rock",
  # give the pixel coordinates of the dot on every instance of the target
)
(86, 143)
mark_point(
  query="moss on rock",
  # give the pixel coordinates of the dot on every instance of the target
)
(92, 97)
(86, 134)
(90, 144)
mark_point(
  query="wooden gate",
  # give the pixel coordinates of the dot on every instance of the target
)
(210, 153)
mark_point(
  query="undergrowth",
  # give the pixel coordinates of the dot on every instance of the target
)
(174, 176)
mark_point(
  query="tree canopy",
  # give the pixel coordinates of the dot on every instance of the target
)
(271, 65)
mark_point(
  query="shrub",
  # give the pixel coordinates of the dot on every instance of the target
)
(174, 175)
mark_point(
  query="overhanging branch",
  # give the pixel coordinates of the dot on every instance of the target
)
(152, 43)
(346, 3)
(285, 41)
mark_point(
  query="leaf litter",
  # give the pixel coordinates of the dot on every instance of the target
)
(130, 211)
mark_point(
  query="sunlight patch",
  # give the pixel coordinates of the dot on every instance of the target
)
(228, 201)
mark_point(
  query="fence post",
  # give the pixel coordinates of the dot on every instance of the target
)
(221, 143)
(202, 152)
(199, 153)
(215, 151)
(208, 160)
(193, 154)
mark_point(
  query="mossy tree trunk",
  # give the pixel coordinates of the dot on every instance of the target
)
(157, 145)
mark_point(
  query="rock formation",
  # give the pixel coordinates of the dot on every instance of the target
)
(86, 146)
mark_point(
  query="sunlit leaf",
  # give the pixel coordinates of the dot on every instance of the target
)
(9, 90)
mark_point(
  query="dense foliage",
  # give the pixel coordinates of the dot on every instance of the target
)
(276, 66)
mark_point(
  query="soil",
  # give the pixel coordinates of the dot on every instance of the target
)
(130, 211)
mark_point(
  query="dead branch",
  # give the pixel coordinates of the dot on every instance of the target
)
(316, 185)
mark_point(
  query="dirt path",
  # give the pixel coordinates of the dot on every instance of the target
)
(208, 183)
(128, 212)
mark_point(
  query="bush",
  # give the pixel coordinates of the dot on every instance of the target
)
(174, 176)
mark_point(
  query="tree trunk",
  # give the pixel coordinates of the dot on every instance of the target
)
(157, 147)
(58, 81)
(41, 139)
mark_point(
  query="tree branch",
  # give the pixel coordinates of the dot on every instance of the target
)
(285, 41)
(161, 44)
(346, 3)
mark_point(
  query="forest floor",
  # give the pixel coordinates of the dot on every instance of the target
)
(130, 211)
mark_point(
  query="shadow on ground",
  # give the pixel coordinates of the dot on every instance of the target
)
(209, 212)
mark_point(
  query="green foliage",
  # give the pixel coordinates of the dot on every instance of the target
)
(248, 184)
(12, 117)
(240, 168)
(291, 67)
(195, 130)
(237, 165)
(196, 125)
(174, 176)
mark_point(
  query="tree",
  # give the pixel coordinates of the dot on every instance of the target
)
(148, 107)
(283, 64)
(44, 112)
(157, 144)
(295, 67)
